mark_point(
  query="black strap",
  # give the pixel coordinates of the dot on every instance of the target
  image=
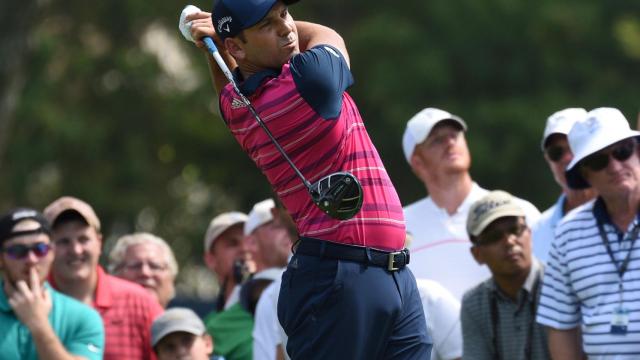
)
(533, 307)
(605, 239)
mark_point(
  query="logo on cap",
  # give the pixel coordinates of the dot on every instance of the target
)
(223, 24)
(488, 206)
(593, 124)
(23, 214)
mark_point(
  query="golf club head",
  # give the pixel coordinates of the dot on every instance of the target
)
(339, 195)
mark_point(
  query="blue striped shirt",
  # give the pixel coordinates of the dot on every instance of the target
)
(581, 283)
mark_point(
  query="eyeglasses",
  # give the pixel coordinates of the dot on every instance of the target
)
(138, 265)
(556, 153)
(620, 152)
(494, 235)
(20, 251)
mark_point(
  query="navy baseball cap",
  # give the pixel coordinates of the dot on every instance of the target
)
(230, 17)
(9, 220)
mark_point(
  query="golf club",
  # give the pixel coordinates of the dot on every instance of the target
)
(339, 194)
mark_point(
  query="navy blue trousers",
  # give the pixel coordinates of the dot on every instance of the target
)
(335, 309)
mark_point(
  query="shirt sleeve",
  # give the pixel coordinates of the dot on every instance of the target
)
(559, 307)
(321, 75)
(475, 343)
(88, 339)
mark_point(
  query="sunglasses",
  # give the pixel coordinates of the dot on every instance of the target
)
(20, 251)
(600, 160)
(493, 236)
(556, 153)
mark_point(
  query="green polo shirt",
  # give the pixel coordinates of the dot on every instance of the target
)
(232, 333)
(78, 327)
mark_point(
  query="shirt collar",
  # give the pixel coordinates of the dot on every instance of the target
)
(103, 296)
(602, 215)
(250, 85)
(529, 283)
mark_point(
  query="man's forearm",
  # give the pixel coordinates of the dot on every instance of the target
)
(48, 346)
(565, 344)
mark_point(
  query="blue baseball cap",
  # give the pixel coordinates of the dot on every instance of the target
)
(230, 17)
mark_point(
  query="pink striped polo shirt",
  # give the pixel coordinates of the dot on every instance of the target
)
(308, 111)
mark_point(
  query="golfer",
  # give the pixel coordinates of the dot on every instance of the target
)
(346, 293)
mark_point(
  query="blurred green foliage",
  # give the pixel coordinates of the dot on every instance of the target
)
(116, 108)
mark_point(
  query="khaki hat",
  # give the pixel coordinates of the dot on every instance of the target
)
(259, 215)
(176, 320)
(494, 205)
(220, 224)
(68, 203)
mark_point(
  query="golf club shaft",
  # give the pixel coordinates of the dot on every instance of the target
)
(213, 50)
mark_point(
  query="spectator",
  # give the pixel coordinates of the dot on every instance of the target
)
(498, 315)
(147, 260)
(269, 244)
(180, 334)
(127, 310)
(268, 241)
(591, 289)
(558, 155)
(266, 229)
(296, 74)
(226, 255)
(435, 147)
(36, 321)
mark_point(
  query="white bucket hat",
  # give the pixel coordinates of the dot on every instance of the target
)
(561, 122)
(420, 125)
(601, 127)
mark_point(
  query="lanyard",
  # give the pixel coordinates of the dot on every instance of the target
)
(532, 310)
(622, 268)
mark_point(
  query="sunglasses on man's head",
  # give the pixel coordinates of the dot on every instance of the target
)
(20, 251)
(492, 236)
(600, 160)
(555, 153)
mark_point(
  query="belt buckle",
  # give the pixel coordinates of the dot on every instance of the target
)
(392, 260)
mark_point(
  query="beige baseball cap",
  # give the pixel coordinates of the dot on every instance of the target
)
(69, 203)
(220, 224)
(496, 204)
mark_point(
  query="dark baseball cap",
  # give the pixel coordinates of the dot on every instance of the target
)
(230, 17)
(10, 219)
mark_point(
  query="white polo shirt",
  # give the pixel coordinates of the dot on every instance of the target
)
(543, 232)
(440, 246)
(442, 311)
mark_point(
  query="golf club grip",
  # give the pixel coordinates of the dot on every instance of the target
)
(213, 50)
